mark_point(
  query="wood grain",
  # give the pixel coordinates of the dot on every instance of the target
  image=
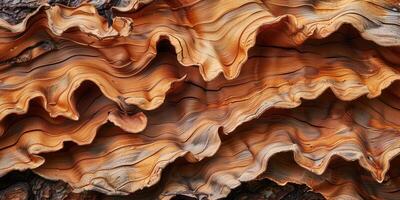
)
(194, 97)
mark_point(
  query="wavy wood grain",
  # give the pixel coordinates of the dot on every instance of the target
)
(193, 116)
(372, 67)
(106, 95)
(341, 180)
(208, 39)
(23, 138)
(54, 76)
(316, 133)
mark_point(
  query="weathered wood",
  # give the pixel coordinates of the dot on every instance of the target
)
(158, 99)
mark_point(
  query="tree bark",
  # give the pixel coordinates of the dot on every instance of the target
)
(29, 186)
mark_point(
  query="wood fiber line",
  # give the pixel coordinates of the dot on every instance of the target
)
(52, 70)
(196, 112)
(316, 133)
(105, 95)
(54, 76)
(24, 137)
(341, 180)
(218, 40)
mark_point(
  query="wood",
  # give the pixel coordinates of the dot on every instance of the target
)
(195, 97)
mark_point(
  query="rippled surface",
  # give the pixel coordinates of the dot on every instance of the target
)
(220, 92)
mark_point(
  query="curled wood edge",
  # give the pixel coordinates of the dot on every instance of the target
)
(299, 32)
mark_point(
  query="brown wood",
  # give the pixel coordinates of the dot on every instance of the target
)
(157, 99)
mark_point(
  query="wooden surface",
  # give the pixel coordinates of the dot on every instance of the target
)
(158, 99)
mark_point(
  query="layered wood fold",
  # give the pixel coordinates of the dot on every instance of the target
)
(24, 137)
(217, 40)
(341, 180)
(54, 76)
(316, 131)
(193, 98)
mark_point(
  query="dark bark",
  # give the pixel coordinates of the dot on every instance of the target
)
(15, 11)
(29, 186)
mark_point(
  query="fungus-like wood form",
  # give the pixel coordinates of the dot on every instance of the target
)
(195, 97)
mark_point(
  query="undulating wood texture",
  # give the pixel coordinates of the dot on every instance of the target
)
(315, 132)
(194, 97)
(341, 180)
